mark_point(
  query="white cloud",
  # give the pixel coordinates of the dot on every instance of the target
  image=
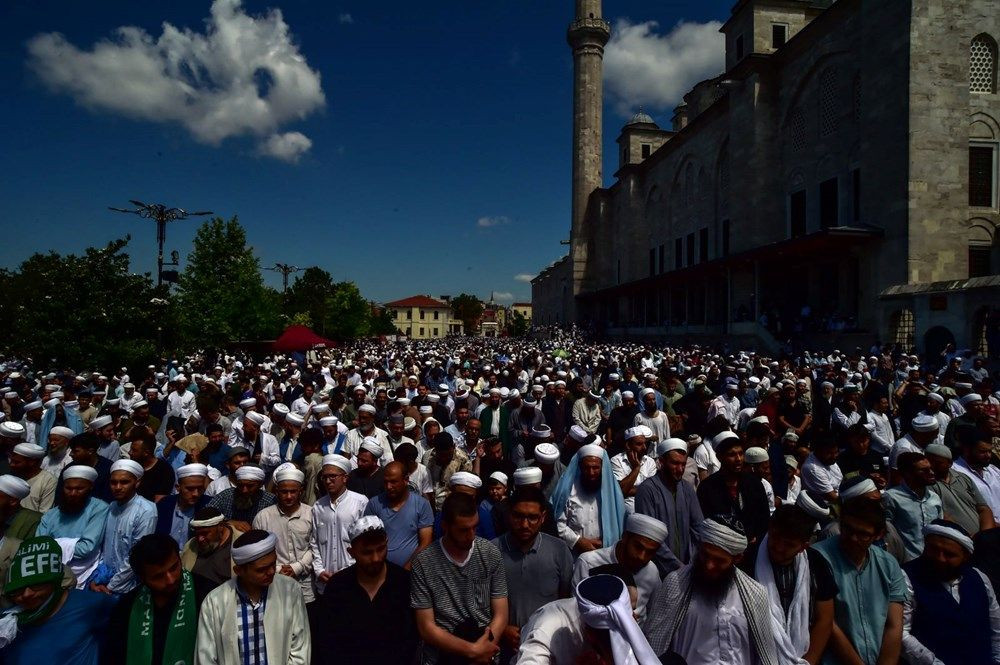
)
(503, 295)
(487, 222)
(523, 277)
(242, 76)
(643, 67)
(346, 18)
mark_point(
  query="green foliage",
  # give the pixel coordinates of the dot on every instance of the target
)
(222, 296)
(469, 310)
(84, 311)
(336, 310)
(519, 324)
(383, 324)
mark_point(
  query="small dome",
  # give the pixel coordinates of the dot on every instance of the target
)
(641, 118)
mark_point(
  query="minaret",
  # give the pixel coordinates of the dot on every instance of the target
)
(587, 35)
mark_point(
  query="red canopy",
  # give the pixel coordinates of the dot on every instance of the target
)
(300, 338)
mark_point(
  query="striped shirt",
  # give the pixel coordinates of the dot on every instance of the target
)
(250, 618)
(225, 501)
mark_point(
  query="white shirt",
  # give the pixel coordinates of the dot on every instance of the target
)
(820, 478)
(181, 406)
(706, 459)
(647, 579)
(355, 437)
(904, 445)
(621, 468)
(300, 406)
(553, 635)
(293, 533)
(420, 481)
(126, 403)
(582, 517)
(54, 466)
(845, 420)
(794, 489)
(715, 634)
(769, 492)
(987, 482)
(329, 540)
(218, 486)
(658, 423)
(882, 437)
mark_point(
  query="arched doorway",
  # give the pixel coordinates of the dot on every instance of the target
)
(935, 340)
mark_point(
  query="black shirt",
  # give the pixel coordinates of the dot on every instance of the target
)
(369, 486)
(353, 628)
(794, 413)
(851, 464)
(156, 481)
(116, 647)
(750, 507)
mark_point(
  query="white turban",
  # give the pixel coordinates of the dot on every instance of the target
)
(128, 465)
(578, 434)
(254, 417)
(189, 470)
(14, 487)
(633, 432)
(338, 461)
(64, 432)
(628, 644)
(857, 489)
(966, 400)
(288, 471)
(806, 503)
(248, 402)
(211, 521)
(29, 450)
(366, 408)
(925, 423)
(646, 391)
(363, 525)
(546, 452)
(628, 394)
(646, 526)
(527, 475)
(328, 421)
(52, 403)
(31, 406)
(100, 421)
(372, 445)
(720, 535)
(467, 479)
(12, 430)
(500, 477)
(592, 450)
(81, 471)
(249, 472)
(295, 420)
(254, 551)
(935, 528)
(670, 445)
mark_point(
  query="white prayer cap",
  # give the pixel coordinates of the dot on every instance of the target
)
(404, 401)
(790, 435)
(722, 437)
(248, 403)
(363, 525)
(426, 408)
(152, 389)
(12, 430)
(433, 399)
(10, 394)
(806, 503)
(970, 399)
(366, 408)
(52, 387)
(644, 525)
(761, 420)
(249, 472)
(849, 489)
(288, 471)
(141, 403)
(254, 551)
(338, 461)
(791, 461)
(14, 487)
(194, 469)
(925, 423)
(944, 528)
(500, 477)
(541, 432)
(670, 445)
(939, 450)
(280, 408)
(254, 417)
(320, 409)
(756, 455)
(31, 406)
(81, 471)
(100, 421)
(372, 445)
(52, 403)
(328, 421)
(515, 393)
(29, 450)
(646, 391)
(578, 434)
(628, 394)
(64, 432)
(131, 466)
(560, 383)
(592, 450)
(937, 397)
(465, 478)
(527, 475)
(409, 423)
(295, 420)
(546, 453)
(963, 386)
(633, 432)
(720, 535)
(494, 391)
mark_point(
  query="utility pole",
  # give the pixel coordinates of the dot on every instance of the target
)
(160, 214)
(285, 270)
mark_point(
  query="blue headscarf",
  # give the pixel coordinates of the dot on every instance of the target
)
(612, 502)
(73, 421)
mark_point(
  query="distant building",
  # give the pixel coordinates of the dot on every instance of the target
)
(524, 309)
(423, 317)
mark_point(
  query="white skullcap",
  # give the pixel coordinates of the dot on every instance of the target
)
(64, 432)
(433, 398)
(465, 478)
(254, 417)
(29, 450)
(14, 487)
(806, 503)
(527, 475)
(756, 455)
(338, 461)
(81, 471)
(720, 535)
(10, 394)
(31, 406)
(280, 408)
(791, 461)
(500, 477)
(761, 420)
(320, 408)
(857, 489)
(288, 471)
(633, 432)
(628, 394)
(363, 525)
(940, 528)
(670, 445)
(646, 526)
(12, 430)
(925, 423)
(248, 402)
(295, 420)
(194, 469)
(404, 401)
(546, 452)
(112, 402)
(367, 408)
(249, 472)
(254, 551)
(52, 403)
(372, 445)
(328, 421)
(578, 434)
(963, 386)
(131, 466)
(141, 403)
(939, 450)
(970, 399)
(100, 421)
(592, 450)
(936, 397)
(426, 408)
(723, 436)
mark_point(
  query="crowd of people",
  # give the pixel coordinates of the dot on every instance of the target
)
(502, 501)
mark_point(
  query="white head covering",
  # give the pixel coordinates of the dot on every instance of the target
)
(936, 528)
(527, 475)
(12, 430)
(254, 551)
(29, 450)
(578, 434)
(364, 525)
(288, 471)
(295, 420)
(100, 421)
(966, 400)
(328, 421)
(806, 503)
(592, 450)
(756, 455)
(372, 445)
(64, 432)
(367, 408)
(31, 406)
(338, 461)
(925, 423)
(194, 469)
(633, 432)
(644, 525)
(546, 452)
(720, 535)
(857, 489)
(81, 471)
(465, 478)
(500, 477)
(254, 417)
(131, 466)
(249, 472)
(628, 644)
(14, 487)
(670, 445)
(248, 402)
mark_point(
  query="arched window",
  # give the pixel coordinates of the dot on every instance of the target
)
(797, 129)
(829, 114)
(902, 327)
(983, 64)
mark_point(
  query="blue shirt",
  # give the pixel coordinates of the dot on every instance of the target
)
(87, 525)
(71, 636)
(862, 604)
(125, 526)
(910, 514)
(402, 526)
(180, 523)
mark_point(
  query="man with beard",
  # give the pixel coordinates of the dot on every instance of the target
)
(174, 513)
(365, 603)
(975, 464)
(291, 521)
(621, 419)
(734, 491)
(366, 479)
(26, 463)
(207, 554)
(494, 418)
(588, 503)
(633, 466)
(156, 621)
(490, 459)
(104, 428)
(241, 504)
(406, 516)
(911, 504)
(83, 451)
(669, 499)
(140, 417)
(366, 428)
(397, 433)
(525, 420)
(32, 420)
(331, 516)
(712, 612)
(79, 516)
(57, 456)
(652, 417)
(950, 614)
(557, 409)
(252, 437)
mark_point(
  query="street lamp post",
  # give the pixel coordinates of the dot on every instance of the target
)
(285, 270)
(160, 214)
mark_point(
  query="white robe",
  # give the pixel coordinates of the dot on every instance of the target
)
(582, 517)
(329, 541)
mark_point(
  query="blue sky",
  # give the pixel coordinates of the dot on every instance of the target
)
(413, 151)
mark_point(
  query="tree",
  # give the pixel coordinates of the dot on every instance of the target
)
(519, 324)
(469, 310)
(383, 324)
(222, 296)
(336, 309)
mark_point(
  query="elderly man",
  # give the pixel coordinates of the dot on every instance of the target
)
(26, 463)
(331, 517)
(241, 504)
(672, 501)
(633, 466)
(366, 428)
(588, 502)
(291, 521)
(443, 461)
(57, 457)
(130, 517)
(962, 501)
(635, 551)
(174, 512)
(652, 417)
(79, 517)
(950, 614)
(257, 617)
(208, 552)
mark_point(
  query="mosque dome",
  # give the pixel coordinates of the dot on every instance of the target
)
(641, 118)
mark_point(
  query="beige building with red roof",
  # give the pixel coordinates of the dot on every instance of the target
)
(423, 317)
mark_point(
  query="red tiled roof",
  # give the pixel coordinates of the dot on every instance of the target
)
(418, 301)
(521, 304)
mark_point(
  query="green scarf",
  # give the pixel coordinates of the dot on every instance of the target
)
(181, 632)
